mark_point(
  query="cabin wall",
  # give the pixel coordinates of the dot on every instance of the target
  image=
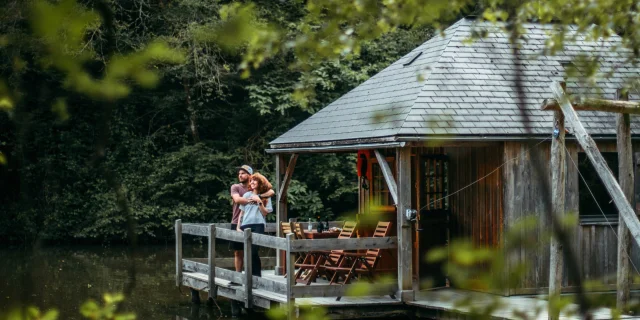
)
(476, 211)
(594, 244)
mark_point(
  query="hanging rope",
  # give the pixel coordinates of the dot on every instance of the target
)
(482, 178)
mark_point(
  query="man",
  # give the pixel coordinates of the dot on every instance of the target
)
(237, 191)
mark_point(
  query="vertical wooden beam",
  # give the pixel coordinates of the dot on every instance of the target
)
(291, 279)
(280, 214)
(213, 289)
(591, 149)
(416, 234)
(178, 252)
(625, 178)
(281, 206)
(388, 176)
(558, 183)
(405, 245)
(248, 282)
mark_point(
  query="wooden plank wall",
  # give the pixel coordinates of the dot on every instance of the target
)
(476, 212)
(594, 244)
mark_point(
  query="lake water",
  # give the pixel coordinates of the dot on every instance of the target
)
(65, 277)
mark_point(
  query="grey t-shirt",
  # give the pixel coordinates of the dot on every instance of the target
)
(252, 214)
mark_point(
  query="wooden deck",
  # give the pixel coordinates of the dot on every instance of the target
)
(272, 290)
(432, 304)
(442, 303)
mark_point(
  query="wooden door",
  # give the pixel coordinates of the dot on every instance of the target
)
(433, 227)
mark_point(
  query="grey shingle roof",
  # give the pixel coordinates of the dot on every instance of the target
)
(466, 89)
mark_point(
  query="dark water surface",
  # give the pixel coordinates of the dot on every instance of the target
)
(65, 277)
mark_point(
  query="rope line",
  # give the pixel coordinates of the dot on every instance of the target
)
(480, 179)
(600, 208)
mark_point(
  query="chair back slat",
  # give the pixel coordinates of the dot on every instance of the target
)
(347, 230)
(382, 230)
(286, 228)
(299, 231)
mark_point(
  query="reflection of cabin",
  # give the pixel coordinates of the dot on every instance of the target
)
(455, 148)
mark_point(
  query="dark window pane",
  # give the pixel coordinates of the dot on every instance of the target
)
(588, 206)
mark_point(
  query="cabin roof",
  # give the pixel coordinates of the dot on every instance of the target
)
(448, 88)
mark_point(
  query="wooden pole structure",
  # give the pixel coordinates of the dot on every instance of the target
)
(248, 270)
(178, 252)
(213, 290)
(405, 244)
(281, 213)
(590, 104)
(625, 178)
(591, 149)
(558, 182)
(281, 207)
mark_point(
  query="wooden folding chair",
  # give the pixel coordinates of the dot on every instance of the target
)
(307, 271)
(357, 263)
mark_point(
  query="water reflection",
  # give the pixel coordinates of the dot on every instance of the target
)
(65, 277)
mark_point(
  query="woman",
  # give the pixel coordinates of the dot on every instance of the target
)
(253, 216)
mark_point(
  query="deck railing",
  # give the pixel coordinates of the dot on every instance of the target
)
(290, 245)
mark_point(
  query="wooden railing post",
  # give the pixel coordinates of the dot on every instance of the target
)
(625, 178)
(248, 283)
(291, 279)
(213, 289)
(178, 252)
(558, 178)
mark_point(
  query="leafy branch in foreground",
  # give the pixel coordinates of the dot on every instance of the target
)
(89, 310)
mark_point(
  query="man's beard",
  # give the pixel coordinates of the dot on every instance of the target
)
(243, 181)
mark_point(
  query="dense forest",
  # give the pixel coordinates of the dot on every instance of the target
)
(173, 148)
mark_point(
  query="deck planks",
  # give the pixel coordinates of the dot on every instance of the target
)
(441, 300)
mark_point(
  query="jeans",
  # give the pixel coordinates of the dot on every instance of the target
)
(256, 265)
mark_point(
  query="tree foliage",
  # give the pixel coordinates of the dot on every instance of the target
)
(182, 116)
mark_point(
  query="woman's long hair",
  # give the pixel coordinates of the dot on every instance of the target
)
(263, 185)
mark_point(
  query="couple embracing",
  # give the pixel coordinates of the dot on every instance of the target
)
(251, 205)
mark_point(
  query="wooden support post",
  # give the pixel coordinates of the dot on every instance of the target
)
(558, 182)
(281, 214)
(405, 245)
(248, 282)
(178, 252)
(281, 205)
(388, 176)
(591, 149)
(213, 290)
(291, 279)
(625, 178)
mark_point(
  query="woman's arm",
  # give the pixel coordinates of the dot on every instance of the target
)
(263, 209)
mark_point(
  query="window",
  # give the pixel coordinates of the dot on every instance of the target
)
(435, 185)
(588, 206)
(380, 195)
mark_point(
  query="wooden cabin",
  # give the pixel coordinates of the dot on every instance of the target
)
(440, 132)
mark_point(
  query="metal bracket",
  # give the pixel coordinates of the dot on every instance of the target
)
(411, 214)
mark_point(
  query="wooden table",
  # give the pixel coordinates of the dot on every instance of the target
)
(314, 234)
